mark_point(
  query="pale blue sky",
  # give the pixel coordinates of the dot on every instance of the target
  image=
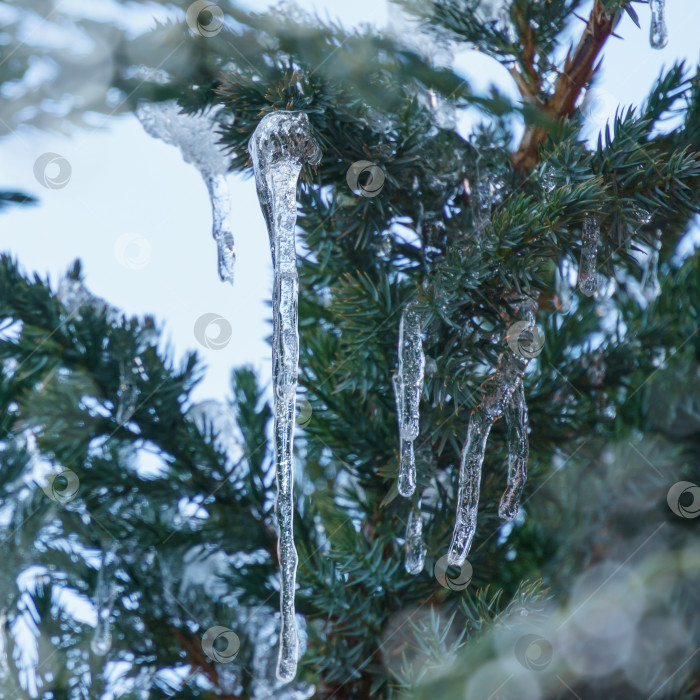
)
(124, 182)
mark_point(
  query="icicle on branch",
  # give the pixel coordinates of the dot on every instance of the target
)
(4, 646)
(658, 33)
(497, 395)
(588, 268)
(280, 145)
(408, 386)
(517, 449)
(105, 594)
(196, 137)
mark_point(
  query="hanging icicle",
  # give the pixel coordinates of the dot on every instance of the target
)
(517, 449)
(498, 392)
(650, 281)
(105, 594)
(408, 386)
(658, 34)
(197, 139)
(279, 147)
(415, 548)
(588, 268)
(4, 661)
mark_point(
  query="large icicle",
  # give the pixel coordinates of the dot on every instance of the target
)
(197, 139)
(517, 449)
(498, 391)
(279, 147)
(408, 386)
(588, 268)
(658, 33)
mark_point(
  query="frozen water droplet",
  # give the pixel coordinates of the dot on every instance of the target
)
(414, 548)
(547, 177)
(588, 272)
(385, 247)
(196, 137)
(280, 145)
(658, 33)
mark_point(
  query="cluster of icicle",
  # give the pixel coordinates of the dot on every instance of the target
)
(280, 145)
(503, 396)
(197, 139)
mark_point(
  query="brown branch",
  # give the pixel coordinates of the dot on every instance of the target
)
(577, 73)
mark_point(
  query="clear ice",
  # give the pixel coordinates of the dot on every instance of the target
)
(105, 593)
(650, 281)
(196, 137)
(408, 386)
(517, 449)
(497, 395)
(658, 33)
(280, 145)
(414, 547)
(4, 664)
(588, 267)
